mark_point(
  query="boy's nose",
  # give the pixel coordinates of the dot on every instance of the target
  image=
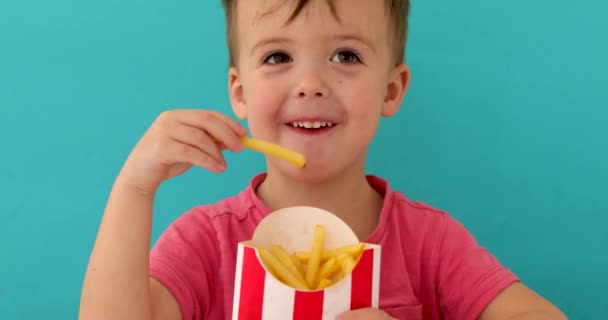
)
(312, 85)
(304, 94)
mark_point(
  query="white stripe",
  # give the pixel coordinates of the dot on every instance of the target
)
(237, 282)
(336, 298)
(279, 299)
(376, 277)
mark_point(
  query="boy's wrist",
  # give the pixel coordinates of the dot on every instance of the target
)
(129, 184)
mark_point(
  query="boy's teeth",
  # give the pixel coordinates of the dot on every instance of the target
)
(311, 124)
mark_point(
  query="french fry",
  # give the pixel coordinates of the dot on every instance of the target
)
(324, 283)
(280, 270)
(271, 149)
(313, 270)
(329, 268)
(354, 250)
(315, 256)
(303, 256)
(298, 264)
(284, 258)
(341, 257)
(347, 265)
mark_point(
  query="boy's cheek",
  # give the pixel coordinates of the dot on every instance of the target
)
(263, 91)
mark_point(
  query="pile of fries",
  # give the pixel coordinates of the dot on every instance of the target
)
(314, 270)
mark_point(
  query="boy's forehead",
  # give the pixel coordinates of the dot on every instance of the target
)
(356, 16)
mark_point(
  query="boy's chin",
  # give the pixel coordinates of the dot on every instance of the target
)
(312, 173)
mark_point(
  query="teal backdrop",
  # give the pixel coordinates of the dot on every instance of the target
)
(505, 126)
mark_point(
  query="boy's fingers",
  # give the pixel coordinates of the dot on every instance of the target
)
(184, 153)
(197, 138)
(215, 125)
(224, 135)
(222, 146)
(235, 125)
(199, 118)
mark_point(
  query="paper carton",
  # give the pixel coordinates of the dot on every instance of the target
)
(258, 294)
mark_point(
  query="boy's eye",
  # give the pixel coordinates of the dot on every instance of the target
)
(345, 56)
(277, 58)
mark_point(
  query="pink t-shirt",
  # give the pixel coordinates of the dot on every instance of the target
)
(432, 267)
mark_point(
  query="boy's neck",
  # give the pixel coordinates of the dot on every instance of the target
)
(349, 196)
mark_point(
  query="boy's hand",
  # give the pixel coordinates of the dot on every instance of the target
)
(368, 313)
(178, 140)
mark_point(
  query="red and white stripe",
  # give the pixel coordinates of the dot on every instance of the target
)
(260, 296)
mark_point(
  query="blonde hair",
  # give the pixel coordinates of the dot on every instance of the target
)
(398, 11)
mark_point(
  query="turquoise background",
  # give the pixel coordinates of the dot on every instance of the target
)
(505, 127)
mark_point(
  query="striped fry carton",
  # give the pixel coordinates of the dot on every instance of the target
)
(259, 295)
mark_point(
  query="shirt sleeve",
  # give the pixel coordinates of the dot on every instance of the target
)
(469, 276)
(182, 261)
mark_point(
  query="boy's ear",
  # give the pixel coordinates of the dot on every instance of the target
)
(398, 83)
(235, 89)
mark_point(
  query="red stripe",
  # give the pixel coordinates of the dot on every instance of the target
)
(362, 277)
(252, 287)
(308, 305)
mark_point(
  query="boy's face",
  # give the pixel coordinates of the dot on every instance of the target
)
(317, 85)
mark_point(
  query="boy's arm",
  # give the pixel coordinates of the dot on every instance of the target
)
(518, 302)
(473, 284)
(117, 285)
(164, 304)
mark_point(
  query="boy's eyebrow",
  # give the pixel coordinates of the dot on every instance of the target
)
(342, 37)
(272, 40)
(353, 37)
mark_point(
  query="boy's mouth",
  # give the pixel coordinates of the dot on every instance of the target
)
(311, 127)
(312, 124)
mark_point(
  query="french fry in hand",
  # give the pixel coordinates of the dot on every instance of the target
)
(272, 149)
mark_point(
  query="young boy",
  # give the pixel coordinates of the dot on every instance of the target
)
(314, 76)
